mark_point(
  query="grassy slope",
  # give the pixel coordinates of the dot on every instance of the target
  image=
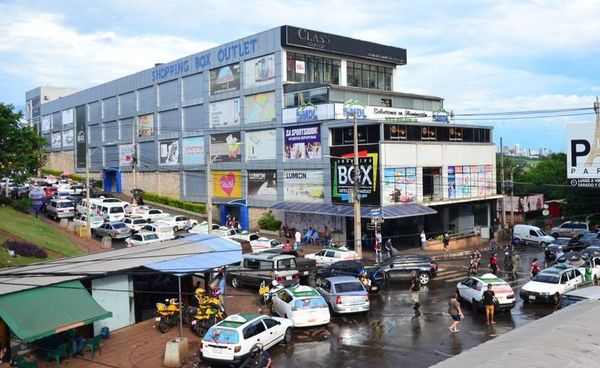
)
(36, 232)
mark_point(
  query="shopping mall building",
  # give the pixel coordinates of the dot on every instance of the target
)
(273, 114)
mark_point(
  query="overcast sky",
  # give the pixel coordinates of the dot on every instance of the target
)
(480, 56)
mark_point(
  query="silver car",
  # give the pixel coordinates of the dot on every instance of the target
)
(116, 230)
(345, 294)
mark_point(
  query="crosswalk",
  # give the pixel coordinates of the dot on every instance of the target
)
(454, 275)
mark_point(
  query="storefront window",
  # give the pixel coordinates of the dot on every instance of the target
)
(369, 76)
(312, 69)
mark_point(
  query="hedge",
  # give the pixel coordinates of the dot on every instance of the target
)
(75, 177)
(175, 202)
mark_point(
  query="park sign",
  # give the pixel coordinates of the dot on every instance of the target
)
(583, 154)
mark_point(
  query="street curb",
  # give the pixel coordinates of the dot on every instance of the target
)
(459, 253)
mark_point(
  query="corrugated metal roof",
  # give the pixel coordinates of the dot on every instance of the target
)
(389, 212)
(566, 338)
(59, 270)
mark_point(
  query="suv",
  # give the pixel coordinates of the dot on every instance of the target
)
(353, 268)
(551, 283)
(60, 208)
(400, 267)
(258, 267)
(570, 228)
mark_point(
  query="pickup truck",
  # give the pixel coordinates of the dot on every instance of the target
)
(265, 266)
(306, 267)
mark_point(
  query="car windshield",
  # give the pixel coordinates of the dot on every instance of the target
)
(118, 225)
(151, 236)
(111, 200)
(221, 335)
(562, 241)
(348, 287)
(64, 204)
(116, 210)
(309, 303)
(548, 278)
(589, 236)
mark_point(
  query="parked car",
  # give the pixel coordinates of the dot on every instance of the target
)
(527, 234)
(76, 189)
(588, 238)
(202, 228)
(95, 221)
(345, 294)
(352, 268)
(577, 295)
(567, 244)
(153, 214)
(136, 210)
(60, 208)
(135, 223)
(261, 244)
(179, 222)
(401, 266)
(302, 304)
(161, 229)
(111, 211)
(258, 267)
(570, 229)
(142, 238)
(243, 235)
(19, 192)
(116, 230)
(551, 283)
(49, 191)
(229, 342)
(471, 291)
(331, 255)
(306, 267)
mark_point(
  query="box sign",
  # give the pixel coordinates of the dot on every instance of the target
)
(192, 151)
(343, 175)
(261, 145)
(262, 185)
(303, 185)
(321, 41)
(583, 153)
(227, 184)
(302, 142)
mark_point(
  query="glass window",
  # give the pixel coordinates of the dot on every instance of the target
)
(327, 68)
(335, 72)
(291, 67)
(309, 303)
(310, 67)
(222, 335)
(270, 322)
(365, 78)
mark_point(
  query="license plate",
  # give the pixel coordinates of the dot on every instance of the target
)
(531, 297)
(194, 322)
(217, 350)
(157, 319)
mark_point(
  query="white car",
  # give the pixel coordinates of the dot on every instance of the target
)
(331, 255)
(262, 244)
(76, 189)
(471, 291)
(153, 214)
(95, 221)
(303, 305)
(135, 223)
(136, 210)
(229, 341)
(142, 238)
(551, 283)
(163, 231)
(202, 228)
(179, 222)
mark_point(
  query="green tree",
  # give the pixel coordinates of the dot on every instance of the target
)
(22, 149)
(548, 177)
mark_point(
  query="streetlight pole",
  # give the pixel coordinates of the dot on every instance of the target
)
(357, 216)
(88, 214)
(512, 193)
(209, 209)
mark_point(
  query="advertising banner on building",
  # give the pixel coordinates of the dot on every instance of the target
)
(470, 181)
(67, 117)
(80, 137)
(192, 152)
(259, 108)
(226, 147)
(56, 140)
(308, 112)
(451, 182)
(224, 113)
(169, 152)
(126, 152)
(342, 173)
(583, 154)
(399, 185)
(225, 79)
(530, 203)
(261, 145)
(489, 180)
(227, 184)
(302, 142)
(262, 184)
(67, 138)
(46, 123)
(303, 185)
(146, 125)
(259, 71)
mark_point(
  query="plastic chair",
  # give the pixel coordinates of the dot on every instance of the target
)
(92, 345)
(24, 363)
(61, 351)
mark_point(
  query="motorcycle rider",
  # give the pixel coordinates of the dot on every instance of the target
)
(258, 358)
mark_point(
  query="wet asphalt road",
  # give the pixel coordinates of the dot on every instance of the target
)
(392, 335)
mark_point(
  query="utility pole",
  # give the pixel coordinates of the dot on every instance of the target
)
(88, 215)
(209, 209)
(357, 216)
(134, 162)
(512, 192)
(503, 213)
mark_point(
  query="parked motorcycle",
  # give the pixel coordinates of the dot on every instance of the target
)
(167, 316)
(204, 317)
(265, 292)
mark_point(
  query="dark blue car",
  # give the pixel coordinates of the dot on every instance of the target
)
(353, 268)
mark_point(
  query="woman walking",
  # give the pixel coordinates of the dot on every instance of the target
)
(535, 268)
(455, 312)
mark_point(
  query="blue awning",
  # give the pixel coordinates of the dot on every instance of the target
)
(389, 212)
(213, 252)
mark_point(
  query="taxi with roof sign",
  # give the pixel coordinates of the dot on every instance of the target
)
(331, 255)
(471, 291)
(551, 283)
(230, 341)
(302, 304)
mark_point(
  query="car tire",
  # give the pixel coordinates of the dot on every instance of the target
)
(543, 245)
(235, 282)
(287, 336)
(458, 297)
(424, 278)
(556, 298)
(175, 229)
(319, 281)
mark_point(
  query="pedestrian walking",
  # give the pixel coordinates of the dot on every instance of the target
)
(423, 240)
(298, 242)
(455, 312)
(493, 246)
(535, 268)
(446, 241)
(378, 255)
(389, 249)
(516, 264)
(489, 300)
(415, 287)
(494, 263)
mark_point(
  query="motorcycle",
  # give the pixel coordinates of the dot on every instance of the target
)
(204, 317)
(265, 292)
(287, 232)
(167, 316)
(473, 267)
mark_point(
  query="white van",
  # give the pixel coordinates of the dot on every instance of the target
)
(531, 234)
(111, 211)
